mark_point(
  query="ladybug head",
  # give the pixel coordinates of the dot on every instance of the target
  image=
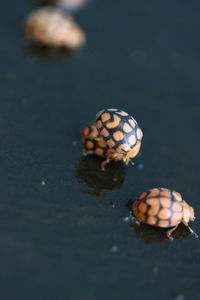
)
(188, 212)
(132, 153)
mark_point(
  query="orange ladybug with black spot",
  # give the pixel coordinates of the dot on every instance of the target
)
(120, 131)
(164, 208)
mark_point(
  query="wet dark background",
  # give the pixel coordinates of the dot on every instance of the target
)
(62, 233)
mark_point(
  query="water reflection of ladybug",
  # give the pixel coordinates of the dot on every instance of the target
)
(150, 234)
(97, 180)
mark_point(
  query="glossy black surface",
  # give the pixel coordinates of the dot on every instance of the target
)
(62, 232)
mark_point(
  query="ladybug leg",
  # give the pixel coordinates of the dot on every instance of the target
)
(169, 232)
(133, 218)
(190, 229)
(104, 163)
(128, 218)
(84, 152)
(87, 152)
(125, 160)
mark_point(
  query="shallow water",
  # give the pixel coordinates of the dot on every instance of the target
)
(62, 233)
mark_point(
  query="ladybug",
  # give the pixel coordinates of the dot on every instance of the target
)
(164, 208)
(120, 131)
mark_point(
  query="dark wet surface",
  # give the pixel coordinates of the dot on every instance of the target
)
(62, 233)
